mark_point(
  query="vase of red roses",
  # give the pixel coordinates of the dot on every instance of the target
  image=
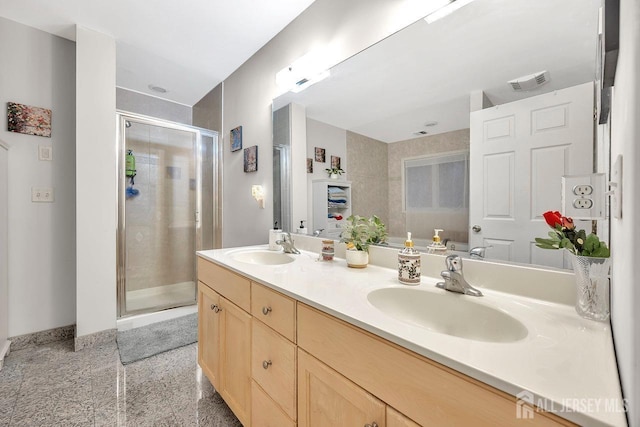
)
(591, 262)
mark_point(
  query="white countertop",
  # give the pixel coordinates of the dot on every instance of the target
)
(566, 362)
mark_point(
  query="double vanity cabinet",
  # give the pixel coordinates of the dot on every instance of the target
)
(277, 361)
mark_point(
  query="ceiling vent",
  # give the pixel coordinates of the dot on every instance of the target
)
(530, 82)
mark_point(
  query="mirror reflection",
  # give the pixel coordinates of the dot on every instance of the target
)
(467, 123)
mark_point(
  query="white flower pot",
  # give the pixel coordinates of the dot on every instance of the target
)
(357, 259)
(333, 176)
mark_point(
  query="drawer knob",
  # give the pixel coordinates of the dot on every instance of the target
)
(215, 308)
(266, 364)
(373, 424)
(266, 310)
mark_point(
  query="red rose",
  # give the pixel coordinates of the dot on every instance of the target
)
(568, 223)
(553, 218)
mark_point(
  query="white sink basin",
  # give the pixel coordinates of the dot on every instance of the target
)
(263, 257)
(448, 313)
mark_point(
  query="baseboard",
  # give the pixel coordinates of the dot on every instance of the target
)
(62, 333)
(4, 352)
(96, 339)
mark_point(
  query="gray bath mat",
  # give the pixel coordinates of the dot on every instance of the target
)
(146, 341)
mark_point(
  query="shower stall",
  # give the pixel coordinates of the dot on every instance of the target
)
(168, 204)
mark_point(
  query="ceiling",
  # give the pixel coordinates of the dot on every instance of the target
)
(427, 72)
(186, 47)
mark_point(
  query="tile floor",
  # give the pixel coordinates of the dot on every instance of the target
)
(51, 385)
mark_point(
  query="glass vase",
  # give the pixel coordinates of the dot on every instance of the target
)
(592, 287)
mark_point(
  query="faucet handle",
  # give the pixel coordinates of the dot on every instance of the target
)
(454, 263)
(478, 251)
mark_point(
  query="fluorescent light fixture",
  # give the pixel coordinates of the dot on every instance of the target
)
(304, 71)
(446, 10)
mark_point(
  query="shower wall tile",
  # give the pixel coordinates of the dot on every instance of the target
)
(135, 102)
(422, 224)
(366, 165)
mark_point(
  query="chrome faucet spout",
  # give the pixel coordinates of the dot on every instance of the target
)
(454, 281)
(287, 244)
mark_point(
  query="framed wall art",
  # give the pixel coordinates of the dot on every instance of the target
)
(251, 159)
(335, 162)
(28, 119)
(236, 138)
(320, 158)
(309, 165)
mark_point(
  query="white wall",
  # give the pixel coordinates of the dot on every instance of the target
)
(625, 232)
(347, 27)
(95, 182)
(39, 69)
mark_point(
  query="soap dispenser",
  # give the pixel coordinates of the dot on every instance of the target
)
(409, 264)
(274, 235)
(436, 246)
(302, 229)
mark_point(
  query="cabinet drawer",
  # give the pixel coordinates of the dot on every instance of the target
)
(265, 412)
(230, 285)
(273, 366)
(274, 309)
(425, 391)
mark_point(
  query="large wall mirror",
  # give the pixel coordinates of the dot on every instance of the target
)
(432, 134)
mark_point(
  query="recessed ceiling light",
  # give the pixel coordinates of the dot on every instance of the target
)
(429, 124)
(158, 89)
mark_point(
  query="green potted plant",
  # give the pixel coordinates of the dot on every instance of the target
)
(359, 233)
(334, 172)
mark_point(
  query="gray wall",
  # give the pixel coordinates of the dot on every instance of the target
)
(39, 69)
(207, 113)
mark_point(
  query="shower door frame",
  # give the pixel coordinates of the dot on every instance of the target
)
(121, 255)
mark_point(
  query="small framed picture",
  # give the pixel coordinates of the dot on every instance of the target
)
(309, 165)
(236, 138)
(320, 155)
(335, 162)
(251, 159)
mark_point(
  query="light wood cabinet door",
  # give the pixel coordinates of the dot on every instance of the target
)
(396, 419)
(235, 359)
(265, 412)
(208, 333)
(326, 398)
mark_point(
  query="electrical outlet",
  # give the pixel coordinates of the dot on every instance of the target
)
(42, 195)
(583, 190)
(583, 196)
(583, 203)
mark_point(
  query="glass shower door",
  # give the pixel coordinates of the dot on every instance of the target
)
(160, 216)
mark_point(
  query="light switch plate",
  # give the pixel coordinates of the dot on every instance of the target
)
(41, 194)
(583, 196)
(45, 152)
(616, 186)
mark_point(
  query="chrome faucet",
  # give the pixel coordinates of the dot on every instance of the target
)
(478, 252)
(317, 232)
(287, 244)
(453, 279)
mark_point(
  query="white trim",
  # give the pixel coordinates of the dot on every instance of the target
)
(4, 145)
